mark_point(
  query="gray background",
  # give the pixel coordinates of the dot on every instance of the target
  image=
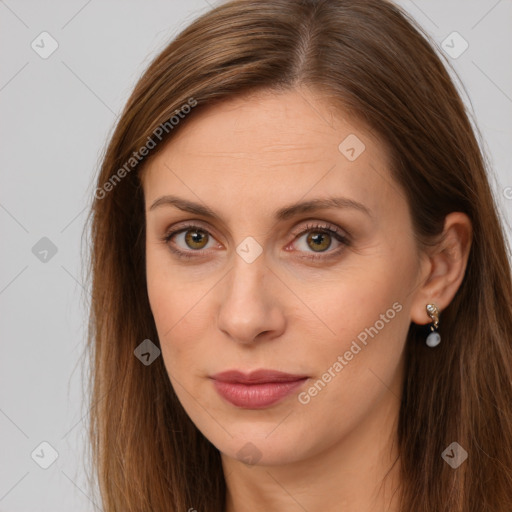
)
(56, 114)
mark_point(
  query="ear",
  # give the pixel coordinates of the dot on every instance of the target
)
(443, 267)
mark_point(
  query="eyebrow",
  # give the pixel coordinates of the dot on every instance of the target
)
(282, 214)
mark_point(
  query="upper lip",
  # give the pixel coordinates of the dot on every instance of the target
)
(256, 376)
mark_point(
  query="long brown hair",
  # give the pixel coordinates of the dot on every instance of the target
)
(372, 60)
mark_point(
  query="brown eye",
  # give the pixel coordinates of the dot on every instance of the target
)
(318, 241)
(189, 241)
(195, 238)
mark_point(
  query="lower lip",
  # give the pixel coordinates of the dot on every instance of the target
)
(256, 396)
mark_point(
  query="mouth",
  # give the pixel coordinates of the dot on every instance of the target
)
(258, 389)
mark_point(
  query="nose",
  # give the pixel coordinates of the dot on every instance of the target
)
(250, 307)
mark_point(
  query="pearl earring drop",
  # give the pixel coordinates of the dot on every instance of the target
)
(434, 338)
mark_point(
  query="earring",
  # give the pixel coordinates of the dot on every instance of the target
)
(434, 338)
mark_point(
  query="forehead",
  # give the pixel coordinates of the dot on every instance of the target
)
(270, 126)
(267, 146)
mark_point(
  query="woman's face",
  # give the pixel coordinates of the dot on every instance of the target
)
(320, 292)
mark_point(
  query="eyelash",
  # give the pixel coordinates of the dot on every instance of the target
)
(330, 230)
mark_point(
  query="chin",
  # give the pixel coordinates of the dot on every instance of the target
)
(254, 446)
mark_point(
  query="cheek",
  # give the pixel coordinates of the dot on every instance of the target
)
(178, 306)
(170, 294)
(366, 311)
(177, 312)
(357, 299)
(359, 365)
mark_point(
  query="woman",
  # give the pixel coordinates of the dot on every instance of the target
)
(301, 290)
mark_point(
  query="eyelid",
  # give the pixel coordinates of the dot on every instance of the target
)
(320, 225)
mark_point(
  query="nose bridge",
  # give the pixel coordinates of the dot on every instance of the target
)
(247, 275)
(248, 266)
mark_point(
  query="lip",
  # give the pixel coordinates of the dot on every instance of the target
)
(257, 389)
(256, 376)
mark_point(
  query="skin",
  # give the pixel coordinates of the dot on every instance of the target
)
(244, 159)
